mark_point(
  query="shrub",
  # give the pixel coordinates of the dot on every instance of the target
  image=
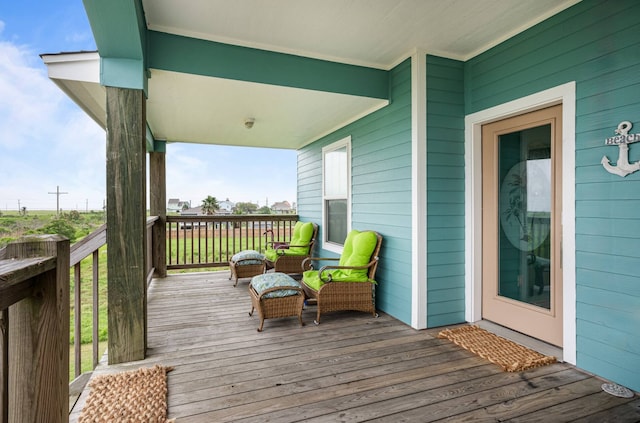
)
(60, 226)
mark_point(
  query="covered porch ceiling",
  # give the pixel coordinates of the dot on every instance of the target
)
(371, 35)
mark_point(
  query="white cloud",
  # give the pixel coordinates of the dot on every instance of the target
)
(45, 140)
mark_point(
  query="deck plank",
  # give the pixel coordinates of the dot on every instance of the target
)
(350, 368)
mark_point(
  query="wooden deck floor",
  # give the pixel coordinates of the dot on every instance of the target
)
(350, 368)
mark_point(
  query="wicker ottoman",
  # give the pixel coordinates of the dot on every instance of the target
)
(276, 295)
(246, 264)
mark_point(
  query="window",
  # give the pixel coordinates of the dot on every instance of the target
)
(336, 191)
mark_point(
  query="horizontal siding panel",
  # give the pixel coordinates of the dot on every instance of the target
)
(436, 259)
(602, 297)
(608, 227)
(446, 197)
(382, 189)
(374, 208)
(445, 221)
(622, 190)
(362, 167)
(440, 295)
(626, 209)
(442, 98)
(446, 121)
(615, 264)
(606, 280)
(445, 118)
(434, 233)
(445, 210)
(444, 270)
(449, 282)
(594, 173)
(393, 174)
(434, 321)
(609, 354)
(628, 247)
(608, 318)
(612, 336)
(591, 362)
(391, 228)
(445, 159)
(437, 185)
(445, 246)
(450, 172)
(446, 307)
(446, 141)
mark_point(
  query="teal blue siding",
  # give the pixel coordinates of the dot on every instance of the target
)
(201, 57)
(593, 43)
(445, 191)
(381, 188)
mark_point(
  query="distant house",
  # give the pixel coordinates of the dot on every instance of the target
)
(196, 211)
(282, 207)
(225, 207)
(175, 205)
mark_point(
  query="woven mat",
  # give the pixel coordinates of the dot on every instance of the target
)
(136, 396)
(510, 356)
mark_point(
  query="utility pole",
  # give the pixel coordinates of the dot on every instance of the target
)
(58, 194)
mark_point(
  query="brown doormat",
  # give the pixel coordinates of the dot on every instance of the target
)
(135, 396)
(510, 356)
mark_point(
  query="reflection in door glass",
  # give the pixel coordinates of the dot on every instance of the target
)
(525, 216)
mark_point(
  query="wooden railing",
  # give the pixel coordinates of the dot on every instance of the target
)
(210, 241)
(89, 245)
(34, 300)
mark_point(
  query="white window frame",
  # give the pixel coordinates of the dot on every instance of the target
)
(343, 143)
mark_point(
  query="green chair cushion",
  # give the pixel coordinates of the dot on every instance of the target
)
(248, 254)
(357, 251)
(312, 279)
(271, 280)
(302, 233)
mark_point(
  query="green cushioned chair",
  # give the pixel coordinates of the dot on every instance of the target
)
(349, 285)
(287, 257)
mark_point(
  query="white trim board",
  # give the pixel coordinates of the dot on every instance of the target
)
(419, 190)
(566, 95)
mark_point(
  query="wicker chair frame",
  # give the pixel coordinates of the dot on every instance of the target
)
(272, 308)
(343, 296)
(289, 264)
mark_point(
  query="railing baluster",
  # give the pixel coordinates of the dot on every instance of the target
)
(96, 293)
(4, 365)
(77, 329)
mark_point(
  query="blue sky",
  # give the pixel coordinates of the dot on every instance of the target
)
(47, 141)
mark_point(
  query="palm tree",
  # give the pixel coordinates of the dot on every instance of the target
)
(210, 205)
